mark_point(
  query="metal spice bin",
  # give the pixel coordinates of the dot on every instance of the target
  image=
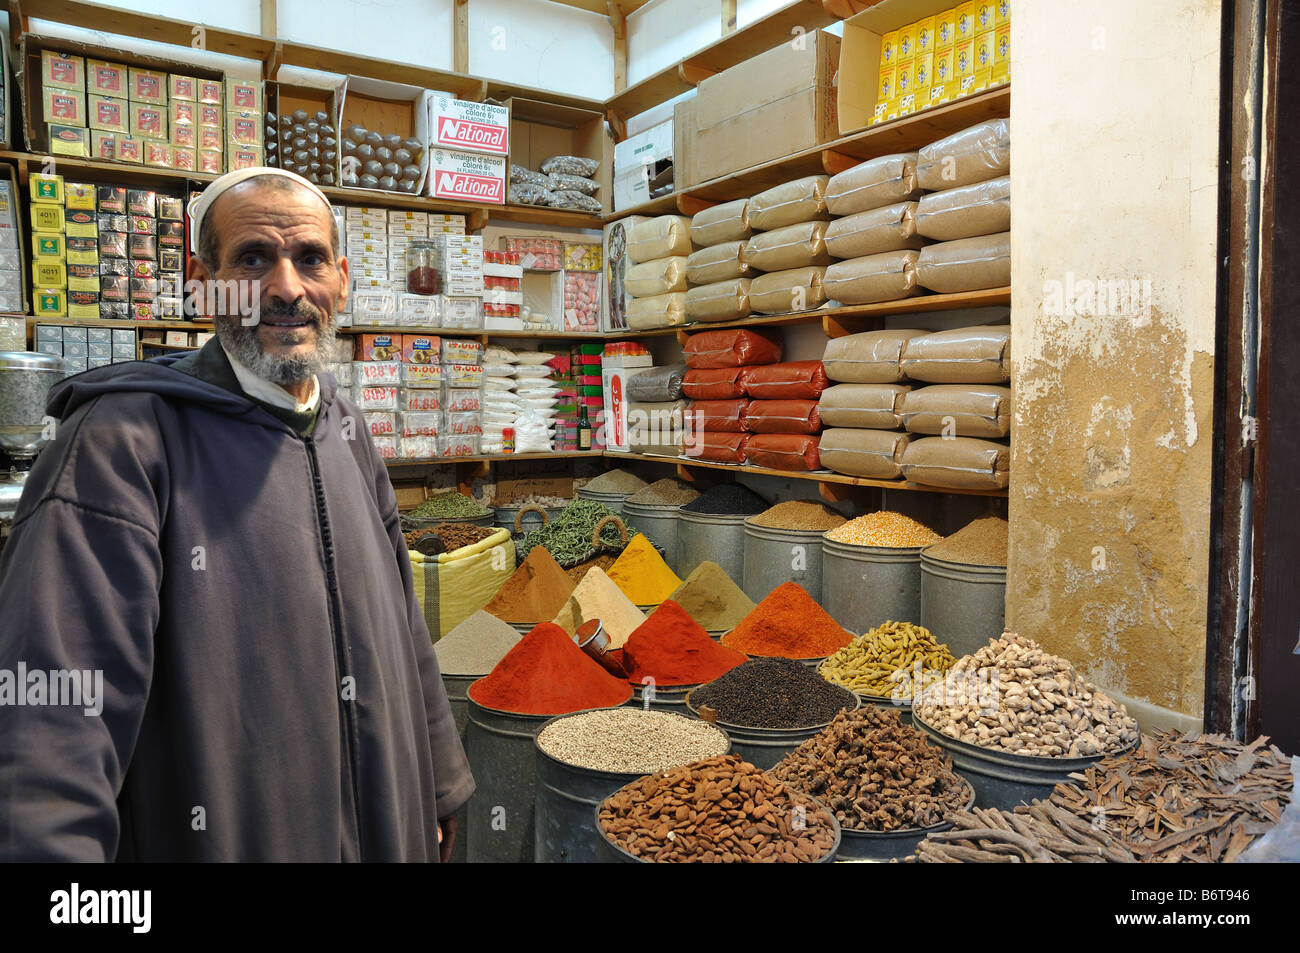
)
(863, 586)
(708, 537)
(659, 524)
(765, 747)
(963, 604)
(776, 556)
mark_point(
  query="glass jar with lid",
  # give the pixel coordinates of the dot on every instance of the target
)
(423, 275)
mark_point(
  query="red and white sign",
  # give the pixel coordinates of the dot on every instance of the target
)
(471, 127)
(467, 177)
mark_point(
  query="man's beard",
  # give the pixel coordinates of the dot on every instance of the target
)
(241, 342)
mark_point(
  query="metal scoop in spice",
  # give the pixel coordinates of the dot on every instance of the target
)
(591, 638)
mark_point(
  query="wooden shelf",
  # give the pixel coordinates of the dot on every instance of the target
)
(760, 36)
(905, 134)
(100, 323)
(476, 333)
(500, 458)
(95, 170)
(846, 319)
(825, 477)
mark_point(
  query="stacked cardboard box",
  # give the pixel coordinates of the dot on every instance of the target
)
(86, 348)
(11, 258)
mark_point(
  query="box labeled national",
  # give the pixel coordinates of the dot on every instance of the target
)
(467, 177)
(470, 127)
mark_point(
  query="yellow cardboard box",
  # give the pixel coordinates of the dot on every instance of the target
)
(50, 302)
(941, 72)
(885, 89)
(888, 52)
(906, 43)
(47, 218)
(922, 76)
(79, 195)
(945, 29)
(925, 36)
(986, 15)
(903, 82)
(985, 46)
(1002, 14)
(963, 69)
(965, 22)
(1002, 54)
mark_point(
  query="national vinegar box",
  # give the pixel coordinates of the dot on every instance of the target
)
(470, 127)
(466, 177)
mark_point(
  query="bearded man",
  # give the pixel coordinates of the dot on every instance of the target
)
(218, 536)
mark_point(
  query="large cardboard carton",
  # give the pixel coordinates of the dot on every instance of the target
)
(684, 173)
(541, 130)
(639, 161)
(777, 103)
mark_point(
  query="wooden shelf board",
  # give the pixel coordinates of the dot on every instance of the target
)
(816, 476)
(32, 321)
(760, 36)
(499, 458)
(462, 333)
(921, 304)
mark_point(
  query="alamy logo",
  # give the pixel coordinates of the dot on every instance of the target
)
(67, 688)
(1097, 297)
(102, 907)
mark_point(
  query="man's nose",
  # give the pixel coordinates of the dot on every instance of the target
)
(282, 281)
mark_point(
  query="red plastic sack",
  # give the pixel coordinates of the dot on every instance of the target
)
(733, 348)
(793, 380)
(718, 416)
(718, 447)
(783, 416)
(723, 383)
(782, 451)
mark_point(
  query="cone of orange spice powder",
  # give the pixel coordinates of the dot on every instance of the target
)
(788, 624)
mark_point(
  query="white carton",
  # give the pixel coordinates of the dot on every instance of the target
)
(466, 177)
(470, 127)
(634, 163)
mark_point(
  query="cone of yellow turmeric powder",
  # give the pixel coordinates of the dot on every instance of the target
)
(641, 573)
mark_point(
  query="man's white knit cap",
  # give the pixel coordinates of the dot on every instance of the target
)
(204, 201)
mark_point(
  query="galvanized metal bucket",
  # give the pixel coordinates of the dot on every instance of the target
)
(567, 795)
(610, 853)
(765, 747)
(863, 586)
(891, 845)
(1003, 780)
(522, 520)
(456, 687)
(501, 826)
(962, 604)
(613, 500)
(664, 698)
(659, 524)
(705, 537)
(777, 556)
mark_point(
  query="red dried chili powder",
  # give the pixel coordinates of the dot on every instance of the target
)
(674, 649)
(789, 624)
(547, 674)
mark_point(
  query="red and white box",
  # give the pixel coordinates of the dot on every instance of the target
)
(466, 177)
(470, 127)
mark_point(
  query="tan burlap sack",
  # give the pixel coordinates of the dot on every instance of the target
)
(868, 233)
(876, 454)
(720, 301)
(718, 263)
(789, 203)
(980, 209)
(872, 357)
(659, 311)
(791, 246)
(961, 463)
(888, 276)
(975, 355)
(658, 276)
(967, 264)
(872, 184)
(875, 406)
(787, 292)
(980, 152)
(727, 222)
(962, 410)
(659, 237)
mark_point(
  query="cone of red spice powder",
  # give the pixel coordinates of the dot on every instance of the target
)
(674, 649)
(788, 624)
(547, 674)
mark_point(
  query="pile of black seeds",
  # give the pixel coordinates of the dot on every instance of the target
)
(728, 499)
(773, 693)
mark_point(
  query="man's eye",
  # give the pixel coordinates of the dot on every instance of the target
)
(313, 260)
(250, 260)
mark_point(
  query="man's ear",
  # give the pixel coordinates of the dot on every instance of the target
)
(196, 271)
(344, 287)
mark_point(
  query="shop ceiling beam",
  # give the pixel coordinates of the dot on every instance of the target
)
(728, 17)
(270, 19)
(271, 65)
(186, 33)
(460, 49)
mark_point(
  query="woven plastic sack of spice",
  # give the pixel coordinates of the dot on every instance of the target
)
(718, 447)
(522, 176)
(975, 355)
(963, 410)
(873, 183)
(525, 193)
(788, 292)
(727, 222)
(876, 454)
(657, 383)
(977, 153)
(660, 237)
(656, 277)
(718, 263)
(453, 586)
(571, 165)
(980, 209)
(657, 311)
(720, 301)
(731, 348)
(791, 380)
(863, 405)
(655, 421)
(563, 182)
(783, 416)
(959, 463)
(968, 264)
(871, 357)
(723, 383)
(575, 200)
(719, 416)
(789, 203)
(869, 233)
(791, 246)
(782, 451)
(888, 276)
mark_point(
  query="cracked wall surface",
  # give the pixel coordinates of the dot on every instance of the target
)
(1114, 187)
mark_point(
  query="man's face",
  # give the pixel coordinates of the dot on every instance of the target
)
(276, 246)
